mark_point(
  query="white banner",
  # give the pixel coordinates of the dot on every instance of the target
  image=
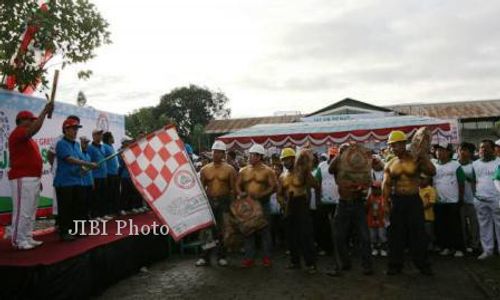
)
(10, 104)
(163, 174)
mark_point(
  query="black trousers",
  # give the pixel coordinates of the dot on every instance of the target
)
(322, 227)
(300, 231)
(87, 201)
(99, 201)
(448, 226)
(407, 228)
(129, 196)
(113, 195)
(350, 217)
(70, 207)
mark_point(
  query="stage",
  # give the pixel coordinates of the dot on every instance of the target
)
(80, 268)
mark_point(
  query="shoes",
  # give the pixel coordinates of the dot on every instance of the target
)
(312, 269)
(333, 273)
(458, 254)
(374, 252)
(445, 252)
(484, 256)
(107, 218)
(322, 253)
(222, 262)
(287, 252)
(393, 271)
(135, 210)
(123, 213)
(25, 246)
(35, 243)
(247, 263)
(427, 272)
(383, 253)
(201, 262)
(266, 261)
(469, 250)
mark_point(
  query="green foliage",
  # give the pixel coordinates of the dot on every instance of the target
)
(189, 108)
(72, 29)
(141, 120)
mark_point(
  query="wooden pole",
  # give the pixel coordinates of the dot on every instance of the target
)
(54, 89)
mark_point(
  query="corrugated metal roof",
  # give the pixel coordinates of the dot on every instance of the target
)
(334, 126)
(452, 110)
(443, 110)
(230, 125)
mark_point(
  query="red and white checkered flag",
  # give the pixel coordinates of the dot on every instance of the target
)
(162, 172)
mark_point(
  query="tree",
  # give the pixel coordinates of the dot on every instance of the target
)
(141, 120)
(191, 106)
(72, 29)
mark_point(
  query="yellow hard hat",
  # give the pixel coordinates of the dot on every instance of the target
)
(396, 136)
(287, 152)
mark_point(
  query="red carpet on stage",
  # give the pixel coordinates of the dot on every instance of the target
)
(54, 250)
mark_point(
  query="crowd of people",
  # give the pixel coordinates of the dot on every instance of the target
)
(90, 180)
(445, 202)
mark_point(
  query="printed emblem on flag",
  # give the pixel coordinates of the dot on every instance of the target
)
(154, 160)
(162, 172)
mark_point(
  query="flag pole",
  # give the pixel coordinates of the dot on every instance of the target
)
(86, 169)
(54, 89)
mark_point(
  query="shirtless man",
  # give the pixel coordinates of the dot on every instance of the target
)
(400, 192)
(218, 178)
(293, 190)
(350, 217)
(259, 182)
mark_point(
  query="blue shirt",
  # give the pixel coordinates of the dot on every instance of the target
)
(96, 153)
(123, 171)
(87, 179)
(67, 174)
(111, 164)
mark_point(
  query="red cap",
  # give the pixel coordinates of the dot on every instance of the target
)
(71, 123)
(25, 114)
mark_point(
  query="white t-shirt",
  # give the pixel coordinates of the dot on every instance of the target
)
(329, 188)
(469, 176)
(378, 175)
(485, 188)
(446, 182)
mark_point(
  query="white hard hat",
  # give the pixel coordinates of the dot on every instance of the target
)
(497, 143)
(259, 149)
(219, 145)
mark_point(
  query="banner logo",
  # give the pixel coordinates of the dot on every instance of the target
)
(184, 180)
(102, 122)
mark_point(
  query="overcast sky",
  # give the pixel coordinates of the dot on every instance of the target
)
(293, 55)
